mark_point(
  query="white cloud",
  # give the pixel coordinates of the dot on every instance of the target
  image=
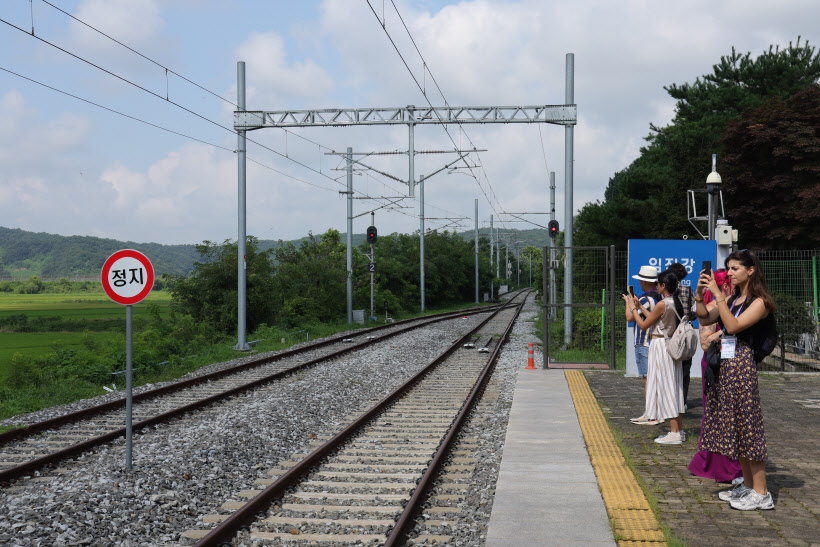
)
(139, 25)
(129, 186)
(136, 23)
(272, 80)
(58, 173)
(180, 192)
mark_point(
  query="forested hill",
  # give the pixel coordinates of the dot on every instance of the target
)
(24, 254)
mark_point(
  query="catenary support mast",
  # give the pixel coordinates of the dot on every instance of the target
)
(241, 238)
(568, 165)
(476, 251)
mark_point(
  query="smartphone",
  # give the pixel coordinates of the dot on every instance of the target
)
(623, 293)
(707, 267)
(632, 290)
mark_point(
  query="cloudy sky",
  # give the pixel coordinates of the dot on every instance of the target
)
(72, 168)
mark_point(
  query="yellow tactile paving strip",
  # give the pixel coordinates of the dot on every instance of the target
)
(633, 521)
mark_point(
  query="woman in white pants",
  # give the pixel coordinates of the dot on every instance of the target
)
(664, 381)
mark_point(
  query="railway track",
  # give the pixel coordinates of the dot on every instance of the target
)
(27, 449)
(369, 482)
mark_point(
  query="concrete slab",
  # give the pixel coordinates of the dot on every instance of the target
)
(547, 492)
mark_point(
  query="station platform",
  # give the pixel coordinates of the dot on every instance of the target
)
(547, 492)
(563, 479)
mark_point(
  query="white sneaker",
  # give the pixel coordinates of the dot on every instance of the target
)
(735, 493)
(752, 500)
(640, 419)
(737, 481)
(669, 438)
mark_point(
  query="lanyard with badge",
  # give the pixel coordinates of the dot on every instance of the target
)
(728, 343)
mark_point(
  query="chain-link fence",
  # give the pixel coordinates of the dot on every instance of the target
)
(793, 282)
(589, 338)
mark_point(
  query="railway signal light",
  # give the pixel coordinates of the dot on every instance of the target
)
(553, 227)
(371, 234)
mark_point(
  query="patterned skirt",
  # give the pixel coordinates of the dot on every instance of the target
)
(733, 422)
(664, 383)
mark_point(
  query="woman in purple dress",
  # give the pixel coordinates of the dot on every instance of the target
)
(712, 465)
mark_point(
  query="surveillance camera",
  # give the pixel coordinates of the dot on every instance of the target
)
(685, 236)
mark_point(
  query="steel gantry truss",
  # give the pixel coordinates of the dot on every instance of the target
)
(336, 117)
(250, 120)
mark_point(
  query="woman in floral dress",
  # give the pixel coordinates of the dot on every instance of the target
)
(733, 425)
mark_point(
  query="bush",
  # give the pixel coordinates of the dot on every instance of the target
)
(793, 318)
(33, 285)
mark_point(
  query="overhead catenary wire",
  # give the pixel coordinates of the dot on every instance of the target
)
(421, 88)
(424, 93)
(116, 111)
(165, 68)
(176, 104)
(78, 57)
(217, 95)
(136, 119)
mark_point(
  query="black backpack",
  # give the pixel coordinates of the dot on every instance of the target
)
(762, 336)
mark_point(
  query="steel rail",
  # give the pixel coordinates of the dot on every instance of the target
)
(18, 471)
(404, 523)
(244, 516)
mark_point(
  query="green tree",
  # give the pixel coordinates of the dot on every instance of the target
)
(33, 285)
(209, 293)
(647, 199)
(311, 282)
(772, 172)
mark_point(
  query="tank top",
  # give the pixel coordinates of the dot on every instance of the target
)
(752, 331)
(668, 322)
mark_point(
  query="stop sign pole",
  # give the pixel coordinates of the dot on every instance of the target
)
(127, 278)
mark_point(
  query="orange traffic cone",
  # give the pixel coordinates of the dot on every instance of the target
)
(530, 361)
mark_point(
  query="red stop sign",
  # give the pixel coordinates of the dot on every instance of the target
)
(127, 276)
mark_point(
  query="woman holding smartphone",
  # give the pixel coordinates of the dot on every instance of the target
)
(733, 423)
(664, 382)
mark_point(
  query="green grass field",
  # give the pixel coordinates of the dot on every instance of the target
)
(69, 306)
(34, 344)
(79, 305)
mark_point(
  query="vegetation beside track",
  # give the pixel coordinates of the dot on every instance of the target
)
(291, 292)
(43, 369)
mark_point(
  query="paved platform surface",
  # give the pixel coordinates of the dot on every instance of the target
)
(547, 493)
(689, 505)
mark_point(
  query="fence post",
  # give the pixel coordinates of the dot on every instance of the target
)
(782, 354)
(603, 315)
(545, 301)
(612, 282)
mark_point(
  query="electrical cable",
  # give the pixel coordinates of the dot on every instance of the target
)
(424, 93)
(162, 128)
(167, 70)
(447, 104)
(182, 107)
(116, 111)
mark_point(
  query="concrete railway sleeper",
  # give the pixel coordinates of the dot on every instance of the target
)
(26, 449)
(370, 482)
